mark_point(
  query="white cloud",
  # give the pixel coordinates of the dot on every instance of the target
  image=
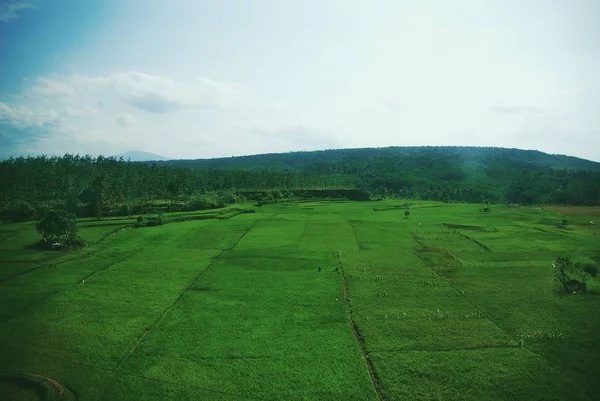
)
(202, 117)
(22, 117)
(52, 88)
(500, 107)
(385, 106)
(126, 120)
(150, 93)
(80, 112)
(289, 137)
(9, 9)
(197, 118)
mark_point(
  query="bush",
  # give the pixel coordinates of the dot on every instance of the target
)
(59, 231)
(570, 274)
(57, 226)
(206, 201)
(150, 221)
(71, 204)
(153, 221)
(21, 211)
(590, 269)
(74, 243)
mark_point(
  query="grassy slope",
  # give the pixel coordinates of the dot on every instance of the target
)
(236, 309)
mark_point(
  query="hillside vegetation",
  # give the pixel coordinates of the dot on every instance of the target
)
(89, 186)
(437, 173)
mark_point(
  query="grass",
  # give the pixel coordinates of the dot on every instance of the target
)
(448, 304)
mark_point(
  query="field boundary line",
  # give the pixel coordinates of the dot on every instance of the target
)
(166, 311)
(49, 261)
(89, 365)
(472, 348)
(477, 241)
(462, 295)
(351, 222)
(20, 230)
(357, 335)
(109, 370)
(27, 308)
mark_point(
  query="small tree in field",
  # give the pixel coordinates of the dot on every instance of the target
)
(59, 226)
(406, 214)
(573, 276)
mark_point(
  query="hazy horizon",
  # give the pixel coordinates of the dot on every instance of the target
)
(189, 80)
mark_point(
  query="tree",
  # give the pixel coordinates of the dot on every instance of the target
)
(406, 213)
(589, 270)
(21, 211)
(58, 226)
(573, 275)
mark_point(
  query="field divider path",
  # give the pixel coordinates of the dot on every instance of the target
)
(169, 308)
(20, 230)
(357, 335)
(481, 244)
(109, 370)
(49, 261)
(351, 222)
(467, 299)
(71, 286)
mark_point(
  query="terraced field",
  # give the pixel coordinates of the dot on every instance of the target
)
(315, 300)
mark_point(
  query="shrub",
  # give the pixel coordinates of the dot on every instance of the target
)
(572, 275)
(57, 226)
(71, 204)
(21, 211)
(74, 243)
(59, 230)
(590, 269)
(153, 221)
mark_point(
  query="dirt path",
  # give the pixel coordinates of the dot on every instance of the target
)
(356, 332)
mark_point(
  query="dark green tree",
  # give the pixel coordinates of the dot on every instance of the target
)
(58, 226)
(572, 275)
(21, 211)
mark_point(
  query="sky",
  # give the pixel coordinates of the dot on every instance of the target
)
(214, 78)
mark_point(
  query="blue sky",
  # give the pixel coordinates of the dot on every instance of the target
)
(191, 79)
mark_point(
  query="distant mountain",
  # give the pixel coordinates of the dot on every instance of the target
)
(139, 156)
(472, 158)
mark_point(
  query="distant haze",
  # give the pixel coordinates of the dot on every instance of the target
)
(197, 79)
(135, 156)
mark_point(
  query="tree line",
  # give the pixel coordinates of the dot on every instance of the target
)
(96, 186)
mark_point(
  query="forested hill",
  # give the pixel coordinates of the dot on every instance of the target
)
(471, 158)
(472, 174)
(101, 185)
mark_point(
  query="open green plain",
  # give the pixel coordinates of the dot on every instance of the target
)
(449, 303)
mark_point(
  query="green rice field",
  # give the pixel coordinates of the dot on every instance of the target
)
(316, 300)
